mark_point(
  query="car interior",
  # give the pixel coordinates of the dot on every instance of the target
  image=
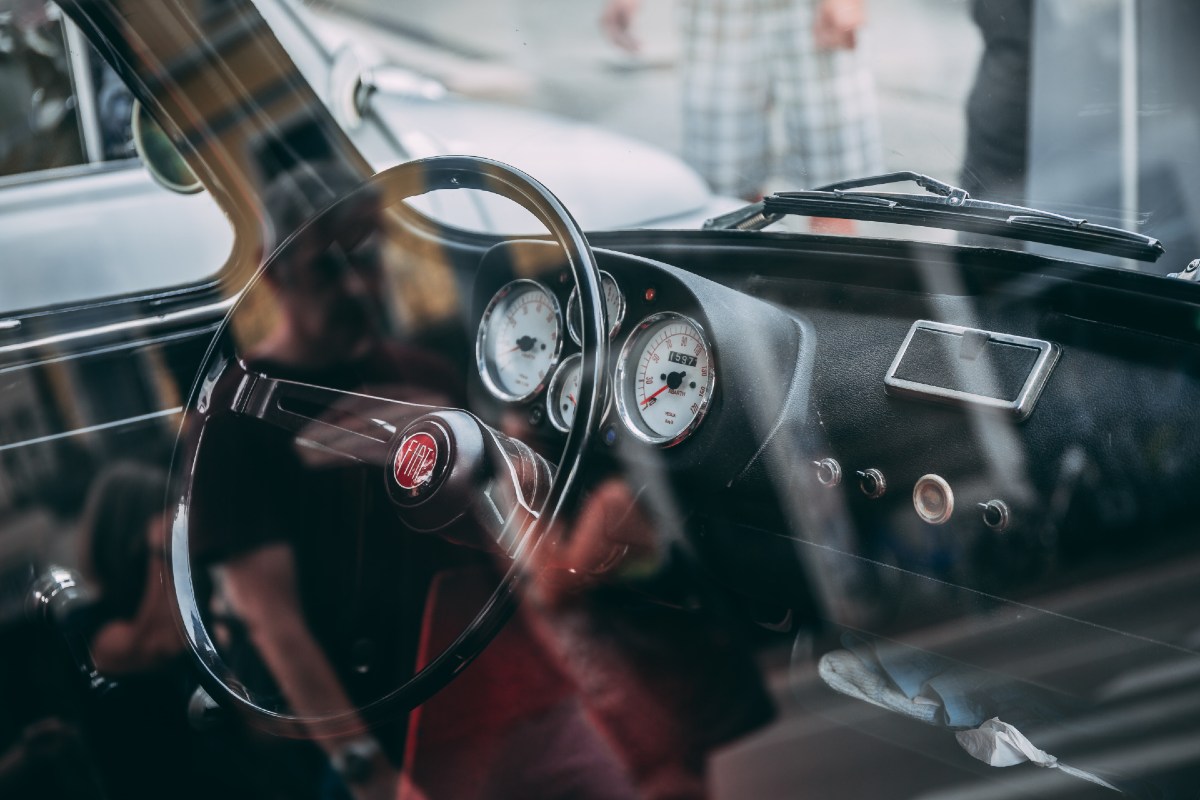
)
(392, 507)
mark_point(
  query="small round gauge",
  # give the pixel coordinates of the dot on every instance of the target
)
(614, 307)
(519, 340)
(665, 378)
(561, 399)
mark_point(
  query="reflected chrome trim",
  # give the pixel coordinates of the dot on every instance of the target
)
(48, 586)
(618, 313)
(623, 372)
(170, 318)
(1026, 399)
(85, 92)
(103, 426)
(481, 338)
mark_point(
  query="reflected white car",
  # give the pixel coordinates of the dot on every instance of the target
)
(106, 228)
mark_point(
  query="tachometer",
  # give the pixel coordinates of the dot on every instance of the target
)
(665, 378)
(519, 340)
(614, 307)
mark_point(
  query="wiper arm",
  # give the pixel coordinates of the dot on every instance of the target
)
(931, 185)
(747, 218)
(946, 207)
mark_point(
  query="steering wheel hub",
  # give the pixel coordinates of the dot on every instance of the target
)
(420, 462)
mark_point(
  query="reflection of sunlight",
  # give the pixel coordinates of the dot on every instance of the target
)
(420, 283)
(475, 210)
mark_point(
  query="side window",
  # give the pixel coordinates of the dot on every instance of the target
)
(39, 119)
(80, 218)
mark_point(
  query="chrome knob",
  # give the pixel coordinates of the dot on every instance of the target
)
(829, 472)
(872, 482)
(996, 515)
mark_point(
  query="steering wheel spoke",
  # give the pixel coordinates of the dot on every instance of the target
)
(509, 501)
(326, 423)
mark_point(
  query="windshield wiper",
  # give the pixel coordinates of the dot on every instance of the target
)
(945, 206)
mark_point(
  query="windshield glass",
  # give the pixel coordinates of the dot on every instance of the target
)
(667, 399)
(1080, 108)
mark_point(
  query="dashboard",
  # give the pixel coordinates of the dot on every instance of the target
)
(896, 427)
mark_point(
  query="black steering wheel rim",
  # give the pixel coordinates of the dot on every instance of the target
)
(395, 185)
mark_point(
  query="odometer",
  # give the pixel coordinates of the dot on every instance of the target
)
(665, 378)
(519, 340)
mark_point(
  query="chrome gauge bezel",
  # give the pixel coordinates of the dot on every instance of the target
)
(626, 372)
(618, 314)
(560, 375)
(482, 334)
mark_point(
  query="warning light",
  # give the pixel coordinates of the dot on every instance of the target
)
(651, 294)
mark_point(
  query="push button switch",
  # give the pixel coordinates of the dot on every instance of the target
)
(933, 499)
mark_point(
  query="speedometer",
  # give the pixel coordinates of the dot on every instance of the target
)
(519, 340)
(665, 378)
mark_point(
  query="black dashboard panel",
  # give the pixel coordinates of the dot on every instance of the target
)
(1094, 480)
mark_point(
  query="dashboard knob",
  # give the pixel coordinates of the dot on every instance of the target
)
(872, 482)
(829, 472)
(996, 515)
(933, 499)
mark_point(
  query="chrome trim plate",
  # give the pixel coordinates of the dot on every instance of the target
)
(1020, 407)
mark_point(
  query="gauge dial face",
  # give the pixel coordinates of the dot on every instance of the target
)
(519, 340)
(614, 308)
(562, 398)
(665, 378)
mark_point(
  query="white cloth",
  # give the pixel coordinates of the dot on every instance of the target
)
(998, 744)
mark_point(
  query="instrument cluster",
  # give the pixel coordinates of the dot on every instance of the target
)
(664, 373)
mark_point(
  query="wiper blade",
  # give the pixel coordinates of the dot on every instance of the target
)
(946, 207)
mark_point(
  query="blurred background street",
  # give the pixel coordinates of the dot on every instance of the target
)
(529, 52)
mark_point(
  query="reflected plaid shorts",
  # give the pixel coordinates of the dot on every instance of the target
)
(743, 58)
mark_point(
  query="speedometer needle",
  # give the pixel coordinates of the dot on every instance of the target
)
(524, 344)
(659, 391)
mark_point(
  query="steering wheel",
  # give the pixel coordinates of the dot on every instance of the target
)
(434, 461)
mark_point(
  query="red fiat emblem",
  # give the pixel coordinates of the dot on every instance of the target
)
(415, 461)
